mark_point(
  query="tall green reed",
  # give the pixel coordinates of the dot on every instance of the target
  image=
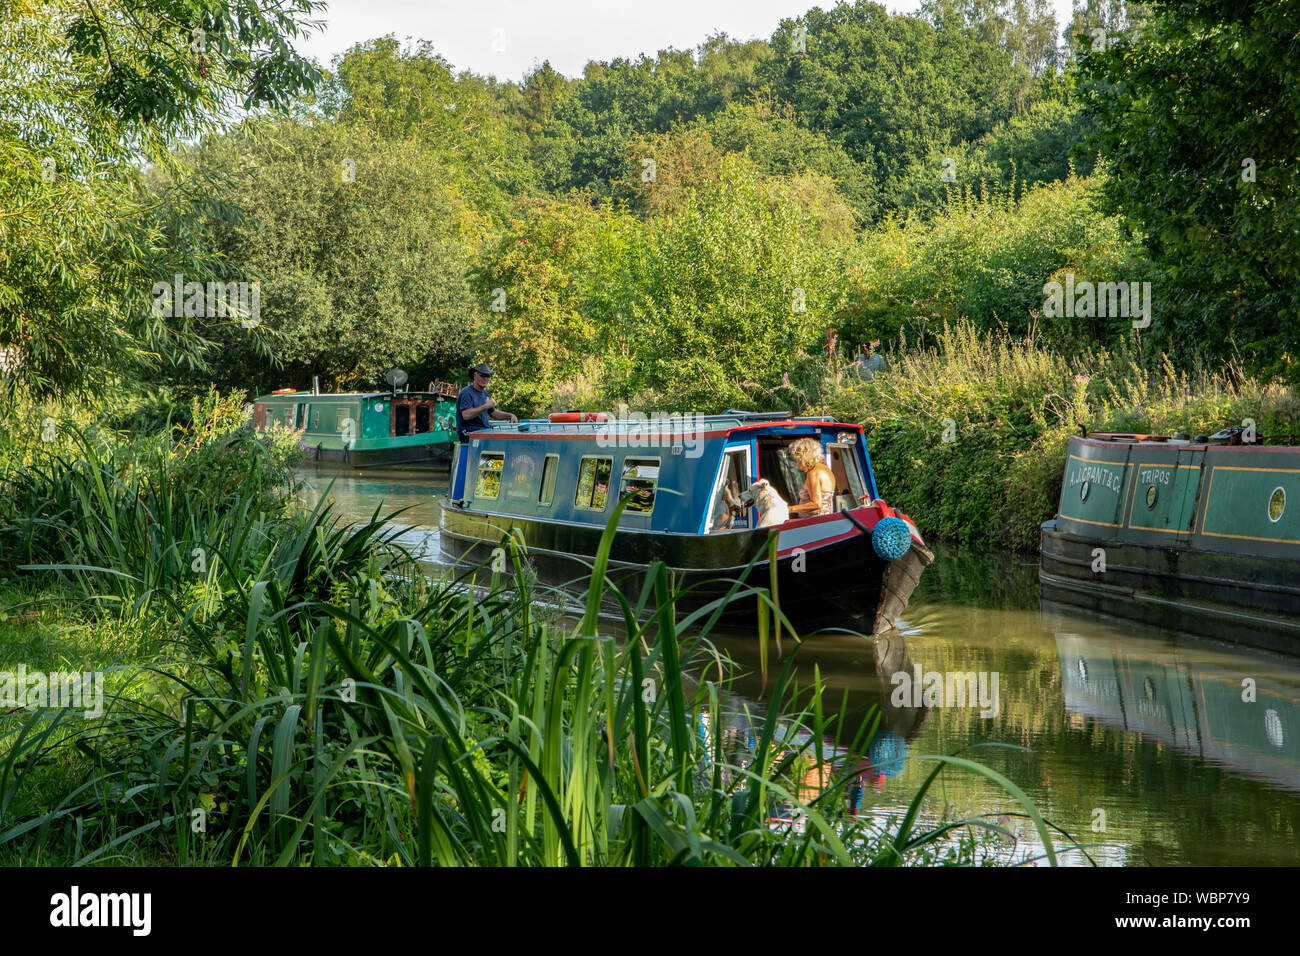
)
(394, 721)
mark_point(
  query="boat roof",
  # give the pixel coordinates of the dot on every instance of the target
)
(688, 423)
(307, 393)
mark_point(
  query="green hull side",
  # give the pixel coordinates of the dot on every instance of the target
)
(325, 419)
(1242, 500)
(1181, 537)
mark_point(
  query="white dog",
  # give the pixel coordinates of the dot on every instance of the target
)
(772, 505)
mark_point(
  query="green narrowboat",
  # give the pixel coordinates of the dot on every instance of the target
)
(1198, 536)
(365, 429)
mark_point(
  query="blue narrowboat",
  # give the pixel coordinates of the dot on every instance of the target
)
(556, 484)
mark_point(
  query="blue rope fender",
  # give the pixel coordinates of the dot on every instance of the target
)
(891, 538)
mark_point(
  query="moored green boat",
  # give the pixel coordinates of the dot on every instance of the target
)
(365, 429)
(1194, 535)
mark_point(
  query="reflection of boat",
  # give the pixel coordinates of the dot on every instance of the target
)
(1193, 705)
(367, 429)
(863, 693)
(556, 483)
(1195, 536)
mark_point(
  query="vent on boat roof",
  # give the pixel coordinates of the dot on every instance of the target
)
(751, 416)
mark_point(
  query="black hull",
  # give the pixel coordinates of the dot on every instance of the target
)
(436, 455)
(839, 584)
(1247, 600)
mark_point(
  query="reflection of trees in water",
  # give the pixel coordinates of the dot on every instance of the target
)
(1007, 579)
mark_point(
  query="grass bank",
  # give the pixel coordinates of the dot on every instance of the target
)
(968, 430)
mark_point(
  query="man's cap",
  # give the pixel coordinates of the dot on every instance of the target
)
(482, 369)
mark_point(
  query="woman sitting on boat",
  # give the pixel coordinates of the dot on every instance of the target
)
(817, 495)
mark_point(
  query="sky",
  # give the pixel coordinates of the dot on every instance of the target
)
(508, 38)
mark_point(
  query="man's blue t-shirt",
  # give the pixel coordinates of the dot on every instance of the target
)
(471, 397)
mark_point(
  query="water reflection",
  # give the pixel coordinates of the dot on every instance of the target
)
(852, 705)
(358, 492)
(1238, 710)
(1149, 728)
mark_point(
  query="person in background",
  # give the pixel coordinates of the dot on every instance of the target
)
(474, 406)
(868, 363)
(817, 495)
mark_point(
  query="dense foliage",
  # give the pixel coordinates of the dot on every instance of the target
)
(86, 93)
(693, 229)
(1201, 114)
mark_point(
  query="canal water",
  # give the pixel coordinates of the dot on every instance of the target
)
(1148, 747)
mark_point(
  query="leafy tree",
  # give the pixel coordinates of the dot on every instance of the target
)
(592, 126)
(731, 66)
(663, 169)
(770, 134)
(352, 281)
(89, 92)
(543, 89)
(411, 94)
(1025, 29)
(986, 261)
(548, 296)
(704, 306)
(1037, 146)
(725, 297)
(1199, 114)
(891, 88)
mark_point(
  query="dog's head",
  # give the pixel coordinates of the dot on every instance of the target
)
(761, 493)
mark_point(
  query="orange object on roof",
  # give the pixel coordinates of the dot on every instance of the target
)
(566, 417)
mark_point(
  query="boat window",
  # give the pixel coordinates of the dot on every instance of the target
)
(640, 476)
(490, 466)
(402, 418)
(315, 419)
(345, 422)
(849, 486)
(549, 468)
(593, 483)
(286, 415)
(421, 419)
(777, 465)
(726, 498)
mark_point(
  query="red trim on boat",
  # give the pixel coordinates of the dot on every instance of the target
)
(613, 436)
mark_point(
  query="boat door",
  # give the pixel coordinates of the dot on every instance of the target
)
(459, 457)
(734, 476)
(1189, 486)
(849, 486)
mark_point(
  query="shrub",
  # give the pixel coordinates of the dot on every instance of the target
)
(969, 435)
